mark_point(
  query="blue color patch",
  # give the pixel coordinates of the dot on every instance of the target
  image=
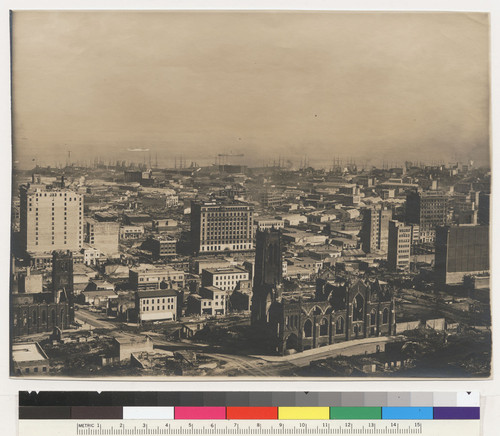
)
(407, 413)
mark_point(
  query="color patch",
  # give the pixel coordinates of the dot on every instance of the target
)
(44, 412)
(407, 413)
(252, 413)
(456, 412)
(303, 413)
(96, 412)
(200, 413)
(148, 412)
(355, 412)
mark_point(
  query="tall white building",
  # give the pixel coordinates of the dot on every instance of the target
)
(50, 218)
(400, 239)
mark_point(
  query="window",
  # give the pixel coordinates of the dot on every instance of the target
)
(323, 327)
(385, 316)
(357, 308)
(339, 326)
(308, 329)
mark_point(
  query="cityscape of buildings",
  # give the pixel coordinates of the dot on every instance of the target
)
(123, 269)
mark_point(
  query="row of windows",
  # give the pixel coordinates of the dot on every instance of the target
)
(159, 279)
(244, 212)
(169, 307)
(209, 303)
(35, 369)
(219, 248)
(152, 300)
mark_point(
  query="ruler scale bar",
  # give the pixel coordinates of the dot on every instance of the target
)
(258, 428)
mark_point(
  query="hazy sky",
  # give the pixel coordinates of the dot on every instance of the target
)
(389, 86)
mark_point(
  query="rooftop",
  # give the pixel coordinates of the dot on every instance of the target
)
(157, 293)
(226, 270)
(28, 352)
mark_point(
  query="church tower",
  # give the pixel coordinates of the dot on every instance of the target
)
(268, 274)
(62, 279)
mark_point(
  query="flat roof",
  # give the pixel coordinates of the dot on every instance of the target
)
(157, 293)
(226, 270)
(27, 352)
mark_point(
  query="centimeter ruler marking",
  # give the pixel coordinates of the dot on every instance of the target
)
(349, 429)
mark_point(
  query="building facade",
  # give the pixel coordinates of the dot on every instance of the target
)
(103, 235)
(460, 251)
(221, 226)
(269, 223)
(131, 232)
(50, 219)
(375, 230)
(400, 240)
(428, 209)
(342, 310)
(161, 246)
(209, 301)
(226, 279)
(154, 277)
(158, 305)
(268, 274)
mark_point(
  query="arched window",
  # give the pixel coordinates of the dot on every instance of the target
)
(385, 316)
(317, 311)
(373, 317)
(339, 326)
(323, 327)
(357, 308)
(44, 316)
(34, 317)
(308, 329)
(62, 315)
(53, 317)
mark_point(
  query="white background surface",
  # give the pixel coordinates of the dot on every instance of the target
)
(490, 390)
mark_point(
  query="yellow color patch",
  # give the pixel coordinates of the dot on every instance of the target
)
(303, 413)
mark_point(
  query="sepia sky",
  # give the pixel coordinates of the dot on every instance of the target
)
(371, 86)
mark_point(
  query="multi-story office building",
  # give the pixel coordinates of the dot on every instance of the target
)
(221, 226)
(50, 219)
(152, 277)
(161, 246)
(375, 230)
(428, 209)
(271, 198)
(262, 223)
(158, 305)
(226, 279)
(131, 232)
(210, 301)
(400, 238)
(460, 251)
(103, 235)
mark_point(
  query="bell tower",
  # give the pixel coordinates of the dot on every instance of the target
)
(268, 273)
(62, 279)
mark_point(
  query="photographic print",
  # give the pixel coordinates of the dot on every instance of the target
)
(250, 194)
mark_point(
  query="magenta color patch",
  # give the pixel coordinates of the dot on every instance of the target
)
(200, 413)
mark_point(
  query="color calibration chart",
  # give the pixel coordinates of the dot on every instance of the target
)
(249, 413)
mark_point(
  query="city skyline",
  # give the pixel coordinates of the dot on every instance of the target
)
(202, 83)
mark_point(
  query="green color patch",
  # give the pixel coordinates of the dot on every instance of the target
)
(355, 412)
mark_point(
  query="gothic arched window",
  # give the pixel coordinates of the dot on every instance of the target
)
(308, 329)
(323, 327)
(357, 308)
